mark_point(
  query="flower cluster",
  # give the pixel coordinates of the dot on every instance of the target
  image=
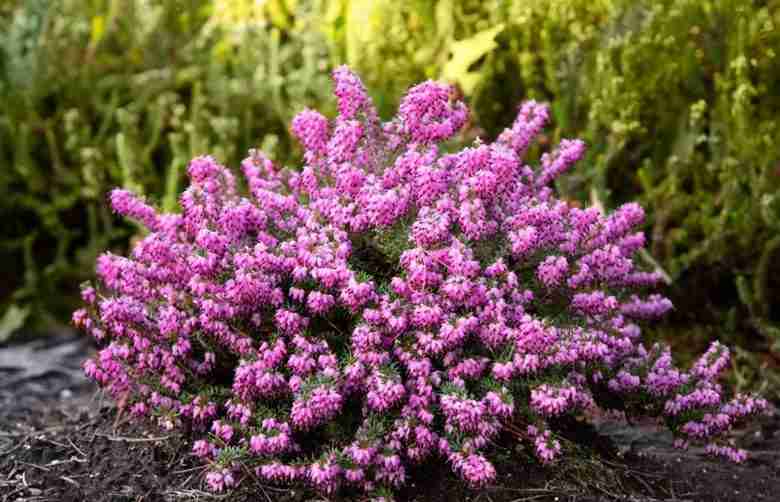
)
(387, 303)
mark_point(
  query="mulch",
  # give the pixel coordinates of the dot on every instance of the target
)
(61, 440)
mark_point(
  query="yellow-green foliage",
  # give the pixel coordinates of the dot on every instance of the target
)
(677, 99)
(100, 93)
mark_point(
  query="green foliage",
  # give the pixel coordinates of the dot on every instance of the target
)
(677, 100)
(695, 138)
(102, 93)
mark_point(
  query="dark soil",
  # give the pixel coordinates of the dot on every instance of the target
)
(61, 441)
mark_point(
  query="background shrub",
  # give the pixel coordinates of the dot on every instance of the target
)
(675, 99)
(95, 94)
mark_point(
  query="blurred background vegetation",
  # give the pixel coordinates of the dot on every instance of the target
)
(678, 100)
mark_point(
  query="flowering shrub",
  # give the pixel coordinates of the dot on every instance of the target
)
(338, 324)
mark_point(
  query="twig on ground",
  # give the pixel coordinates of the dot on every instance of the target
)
(71, 481)
(192, 494)
(112, 437)
(77, 448)
(197, 468)
(35, 466)
(51, 441)
(184, 483)
(532, 497)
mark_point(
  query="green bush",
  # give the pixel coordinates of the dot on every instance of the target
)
(102, 93)
(677, 100)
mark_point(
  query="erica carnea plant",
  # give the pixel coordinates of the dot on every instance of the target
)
(387, 303)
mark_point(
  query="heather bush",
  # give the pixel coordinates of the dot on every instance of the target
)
(389, 303)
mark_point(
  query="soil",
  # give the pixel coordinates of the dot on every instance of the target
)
(61, 440)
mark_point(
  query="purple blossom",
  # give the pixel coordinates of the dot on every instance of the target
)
(220, 480)
(428, 114)
(311, 129)
(552, 271)
(128, 204)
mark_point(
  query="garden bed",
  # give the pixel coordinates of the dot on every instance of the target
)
(60, 440)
